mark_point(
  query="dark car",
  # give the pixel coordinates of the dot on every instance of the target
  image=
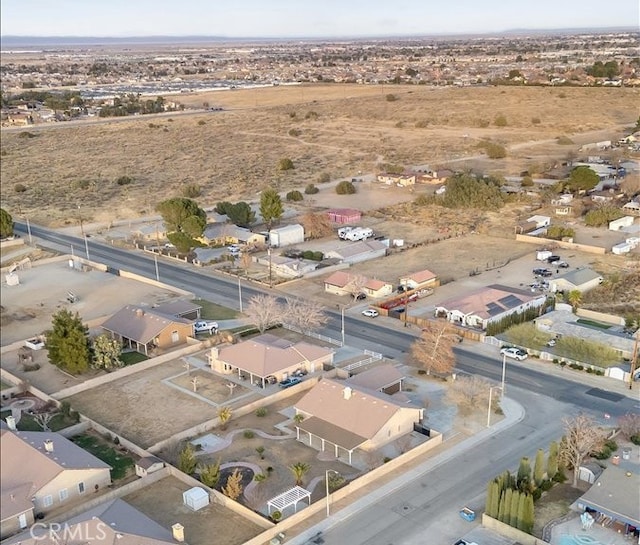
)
(542, 272)
(361, 296)
(553, 258)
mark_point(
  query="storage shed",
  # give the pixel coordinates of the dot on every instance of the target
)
(344, 215)
(287, 235)
(195, 498)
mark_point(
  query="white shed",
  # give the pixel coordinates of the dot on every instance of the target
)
(287, 235)
(195, 498)
(621, 223)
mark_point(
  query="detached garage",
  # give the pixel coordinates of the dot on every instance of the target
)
(344, 215)
(287, 235)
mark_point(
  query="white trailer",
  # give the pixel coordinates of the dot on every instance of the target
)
(361, 233)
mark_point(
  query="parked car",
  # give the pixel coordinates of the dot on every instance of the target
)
(361, 296)
(551, 342)
(515, 353)
(270, 379)
(562, 264)
(542, 272)
(467, 514)
(370, 313)
(291, 381)
(553, 258)
(205, 326)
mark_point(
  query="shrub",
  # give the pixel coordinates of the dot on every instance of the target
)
(27, 134)
(564, 141)
(527, 181)
(191, 191)
(202, 122)
(324, 177)
(276, 516)
(500, 121)
(345, 188)
(422, 124)
(82, 184)
(19, 188)
(294, 195)
(311, 189)
(537, 494)
(295, 132)
(483, 123)
(635, 439)
(262, 411)
(124, 180)
(248, 434)
(546, 485)
(311, 115)
(285, 164)
(535, 121)
(559, 477)
(391, 97)
(493, 149)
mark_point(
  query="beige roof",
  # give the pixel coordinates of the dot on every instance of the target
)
(112, 522)
(363, 414)
(489, 301)
(616, 494)
(377, 378)
(26, 467)
(332, 433)
(422, 276)
(263, 358)
(140, 324)
(341, 279)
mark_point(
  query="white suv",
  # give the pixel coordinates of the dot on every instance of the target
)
(515, 353)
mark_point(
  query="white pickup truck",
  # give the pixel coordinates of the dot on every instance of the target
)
(205, 326)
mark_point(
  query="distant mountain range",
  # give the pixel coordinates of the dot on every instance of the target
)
(11, 42)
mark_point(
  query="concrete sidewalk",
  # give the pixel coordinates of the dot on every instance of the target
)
(376, 491)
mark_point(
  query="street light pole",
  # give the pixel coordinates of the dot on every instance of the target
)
(490, 403)
(29, 230)
(342, 321)
(86, 247)
(240, 292)
(155, 259)
(326, 480)
(504, 370)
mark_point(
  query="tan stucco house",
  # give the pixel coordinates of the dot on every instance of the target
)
(41, 471)
(341, 283)
(420, 280)
(144, 329)
(340, 417)
(269, 356)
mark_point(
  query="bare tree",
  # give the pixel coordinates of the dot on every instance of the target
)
(582, 436)
(316, 225)
(264, 311)
(356, 285)
(304, 314)
(469, 393)
(43, 420)
(629, 425)
(434, 349)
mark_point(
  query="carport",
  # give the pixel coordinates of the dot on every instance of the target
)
(329, 434)
(289, 498)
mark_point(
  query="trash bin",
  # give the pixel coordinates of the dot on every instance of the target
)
(626, 453)
(615, 460)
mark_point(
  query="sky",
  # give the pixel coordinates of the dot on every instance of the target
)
(305, 18)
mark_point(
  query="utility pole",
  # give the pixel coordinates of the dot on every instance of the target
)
(634, 360)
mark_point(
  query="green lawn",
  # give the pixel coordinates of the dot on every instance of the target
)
(119, 462)
(28, 423)
(129, 358)
(591, 323)
(213, 311)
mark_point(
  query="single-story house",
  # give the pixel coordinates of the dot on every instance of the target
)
(489, 304)
(420, 280)
(540, 221)
(580, 279)
(625, 223)
(342, 283)
(180, 309)
(41, 471)
(404, 179)
(632, 207)
(151, 232)
(228, 233)
(615, 495)
(340, 417)
(148, 465)
(269, 356)
(356, 252)
(383, 378)
(114, 521)
(344, 215)
(288, 267)
(286, 235)
(145, 328)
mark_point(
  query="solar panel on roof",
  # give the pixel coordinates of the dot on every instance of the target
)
(493, 309)
(510, 301)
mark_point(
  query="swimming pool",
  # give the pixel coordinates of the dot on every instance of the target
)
(578, 540)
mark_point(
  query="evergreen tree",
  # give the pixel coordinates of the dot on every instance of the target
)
(6, 224)
(210, 474)
(489, 500)
(523, 480)
(538, 468)
(68, 343)
(552, 460)
(106, 353)
(513, 510)
(187, 460)
(501, 506)
(529, 515)
(494, 505)
(271, 208)
(233, 489)
(522, 515)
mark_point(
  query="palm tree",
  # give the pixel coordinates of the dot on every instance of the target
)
(299, 469)
(574, 298)
(224, 415)
(298, 418)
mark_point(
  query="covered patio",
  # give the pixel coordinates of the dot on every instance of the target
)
(327, 434)
(289, 498)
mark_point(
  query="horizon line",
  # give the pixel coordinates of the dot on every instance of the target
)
(319, 37)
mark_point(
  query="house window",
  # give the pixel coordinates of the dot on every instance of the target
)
(63, 494)
(81, 488)
(175, 337)
(47, 501)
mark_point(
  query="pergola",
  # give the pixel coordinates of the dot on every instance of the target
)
(289, 498)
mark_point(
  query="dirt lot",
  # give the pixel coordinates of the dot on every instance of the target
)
(337, 129)
(27, 308)
(162, 502)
